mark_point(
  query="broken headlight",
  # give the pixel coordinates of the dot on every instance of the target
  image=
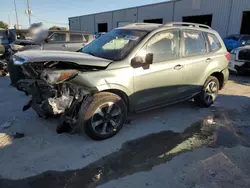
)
(16, 47)
(58, 76)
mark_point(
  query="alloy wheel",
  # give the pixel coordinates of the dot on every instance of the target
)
(211, 92)
(106, 118)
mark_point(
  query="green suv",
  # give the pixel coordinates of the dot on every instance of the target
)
(133, 68)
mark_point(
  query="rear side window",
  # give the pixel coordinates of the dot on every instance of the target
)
(213, 42)
(77, 38)
(194, 43)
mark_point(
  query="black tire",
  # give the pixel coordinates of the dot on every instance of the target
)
(87, 114)
(202, 99)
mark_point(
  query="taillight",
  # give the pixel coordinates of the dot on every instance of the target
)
(227, 55)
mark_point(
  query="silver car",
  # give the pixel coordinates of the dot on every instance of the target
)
(133, 68)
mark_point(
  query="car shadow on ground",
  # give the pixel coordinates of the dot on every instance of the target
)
(152, 138)
(243, 80)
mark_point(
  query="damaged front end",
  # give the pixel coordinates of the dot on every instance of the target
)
(51, 90)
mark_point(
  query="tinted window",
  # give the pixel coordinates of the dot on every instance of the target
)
(194, 43)
(213, 41)
(164, 46)
(58, 37)
(245, 40)
(116, 44)
(76, 37)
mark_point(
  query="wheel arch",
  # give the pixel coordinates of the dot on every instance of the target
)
(220, 77)
(121, 91)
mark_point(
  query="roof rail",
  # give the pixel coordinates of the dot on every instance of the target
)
(140, 23)
(187, 24)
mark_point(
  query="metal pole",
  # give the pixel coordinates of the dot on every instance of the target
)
(29, 11)
(17, 23)
(9, 19)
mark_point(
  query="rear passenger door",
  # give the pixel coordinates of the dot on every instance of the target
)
(196, 59)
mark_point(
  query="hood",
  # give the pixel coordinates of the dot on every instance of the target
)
(26, 42)
(63, 56)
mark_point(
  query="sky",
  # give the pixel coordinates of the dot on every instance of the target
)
(57, 12)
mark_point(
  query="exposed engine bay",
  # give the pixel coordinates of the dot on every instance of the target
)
(52, 93)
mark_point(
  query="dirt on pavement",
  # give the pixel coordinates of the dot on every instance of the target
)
(176, 146)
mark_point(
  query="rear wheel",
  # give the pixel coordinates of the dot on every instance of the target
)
(102, 115)
(209, 92)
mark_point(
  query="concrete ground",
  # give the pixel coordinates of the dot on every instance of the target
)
(176, 146)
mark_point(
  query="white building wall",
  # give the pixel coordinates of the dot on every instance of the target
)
(160, 10)
(125, 15)
(105, 17)
(220, 9)
(227, 14)
(238, 6)
(74, 24)
(87, 23)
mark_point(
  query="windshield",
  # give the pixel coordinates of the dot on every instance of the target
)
(233, 37)
(115, 45)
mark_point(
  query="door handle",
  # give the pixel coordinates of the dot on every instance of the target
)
(208, 60)
(64, 45)
(178, 67)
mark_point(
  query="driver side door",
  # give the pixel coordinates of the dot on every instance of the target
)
(162, 81)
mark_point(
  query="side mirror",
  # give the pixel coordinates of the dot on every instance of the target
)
(46, 40)
(149, 58)
(137, 62)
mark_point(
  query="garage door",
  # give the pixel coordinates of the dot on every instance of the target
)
(121, 24)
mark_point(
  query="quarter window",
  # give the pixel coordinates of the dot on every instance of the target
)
(194, 43)
(213, 41)
(164, 46)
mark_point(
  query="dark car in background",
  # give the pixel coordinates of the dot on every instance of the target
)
(235, 41)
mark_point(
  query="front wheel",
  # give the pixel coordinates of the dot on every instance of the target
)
(102, 115)
(209, 92)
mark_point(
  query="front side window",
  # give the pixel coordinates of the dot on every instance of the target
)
(213, 41)
(116, 44)
(194, 43)
(58, 37)
(164, 46)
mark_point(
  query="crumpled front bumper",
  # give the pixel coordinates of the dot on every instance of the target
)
(40, 92)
